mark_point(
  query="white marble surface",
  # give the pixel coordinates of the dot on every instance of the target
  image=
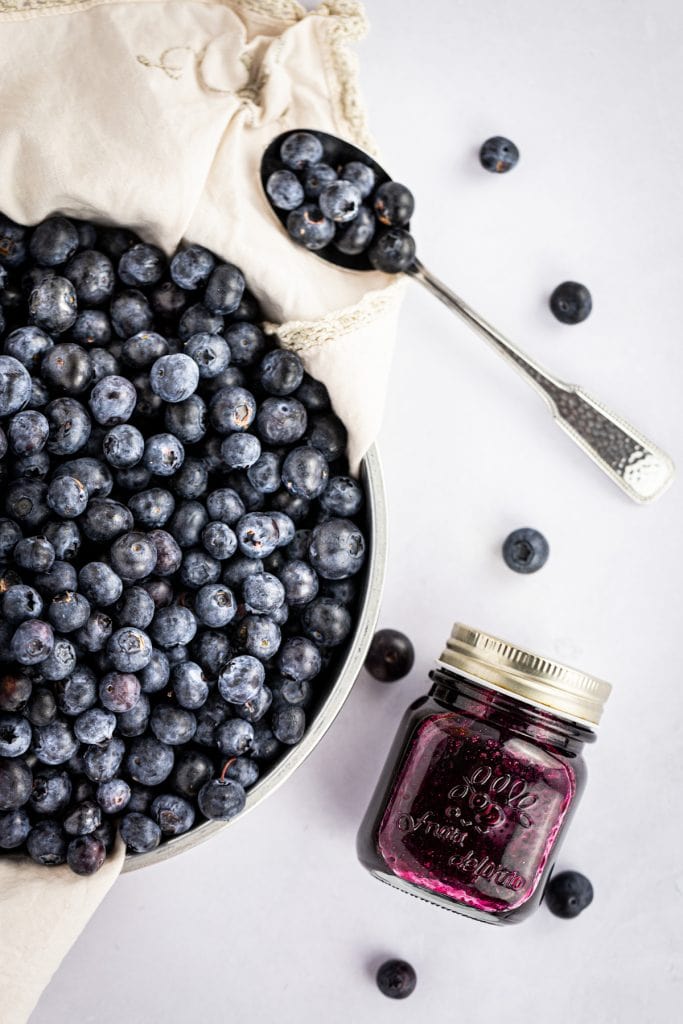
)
(276, 920)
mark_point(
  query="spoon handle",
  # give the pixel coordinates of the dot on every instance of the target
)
(636, 465)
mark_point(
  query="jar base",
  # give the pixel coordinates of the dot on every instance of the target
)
(511, 917)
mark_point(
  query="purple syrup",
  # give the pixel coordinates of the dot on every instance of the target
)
(474, 812)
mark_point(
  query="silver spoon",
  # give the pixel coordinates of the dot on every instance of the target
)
(636, 465)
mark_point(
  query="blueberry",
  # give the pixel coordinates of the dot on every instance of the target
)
(192, 770)
(328, 435)
(93, 636)
(396, 979)
(32, 642)
(210, 352)
(326, 621)
(123, 446)
(92, 275)
(288, 724)
(174, 378)
(187, 523)
(119, 691)
(112, 400)
(26, 504)
(191, 266)
(35, 467)
(199, 568)
(14, 829)
(53, 241)
(143, 349)
(340, 201)
(12, 243)
(211, 648)
(189, 685)
(234, 737)
(104, 519)
(28, 432)
(241, 679)
(188, 420)
(239, 451)
(215, 605)
(67, 497)
(15, 385)
(254, 709)
(134, 722)
(95, 726)
(20, 603)
(156, 674)
(300, 582)
(525, 550)
(263, 592)
(28, 345)
(135, 608)
(133, 556)
(281, 420)
(299, 659)
(391, 656)
(173, 814)
(61, 576)
(285, 527)
(140, 833)
(130, 650)
(281, 372)
(168, 300)
(102, 762)
(86, 854)
(92, 472)
(361, 175)
(42, 708)
(171, 725)
(232, 408)
(141, 265)
(113, 795)
(15, 691)
(225, 505)
(53, 305)
(308, 226)
(150, 762)
(83, 819)
(219, 540)
(316, 177)
(305, 472)
(265, 745)
(392, 251)
(224, 289)
(69, 424)
(257, 534)
(285, 190)
(92, 328)
(100, 584)
(16, 782)
(54, 743)
(247, 344)
(243, 770)
(289, 691)
(140, 799)
(252, 499)
(115, 241)
(301, 149)
(568, 893)
(173, 625)
(498, 154)
(51, 791)
(60, 662)
(571, 302)
(198, 319)
(394, 204)
(134, 478)
(221, 799)
(68, 612)
(264, 475)
(295, 507)
(337, 549)
(355, 236)
(130, 312)
(46, 843)
(152, 508)
(15, 735)
(169, 554)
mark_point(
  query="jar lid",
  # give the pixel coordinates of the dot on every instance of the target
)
(530, 676)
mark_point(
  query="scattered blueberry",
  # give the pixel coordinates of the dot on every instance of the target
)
(568, 893)
(396, 979)
(498, 155)
(571, 302)
(391, 656)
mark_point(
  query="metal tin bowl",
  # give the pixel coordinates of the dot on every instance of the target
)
(327, 711)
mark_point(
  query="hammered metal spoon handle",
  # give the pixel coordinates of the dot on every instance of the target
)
(636, 465)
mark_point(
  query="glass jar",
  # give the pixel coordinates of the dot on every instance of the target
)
(483, 779)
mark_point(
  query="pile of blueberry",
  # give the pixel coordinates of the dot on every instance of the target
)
(178, 549)
(348, 205)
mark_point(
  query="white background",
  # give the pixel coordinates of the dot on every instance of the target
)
(275, 920)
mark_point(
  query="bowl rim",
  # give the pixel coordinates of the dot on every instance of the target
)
(368, 612)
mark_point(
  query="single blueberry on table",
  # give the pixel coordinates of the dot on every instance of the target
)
(498, 154)
(285, 190)
(308, 226)
(392, 251)
(525, 550)
(396, 979)
(301, 149)
(568, 894)
(571, 302)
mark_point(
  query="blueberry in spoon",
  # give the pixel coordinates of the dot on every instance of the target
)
(354, 215)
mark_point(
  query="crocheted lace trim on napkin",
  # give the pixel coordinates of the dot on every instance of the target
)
(303, 335)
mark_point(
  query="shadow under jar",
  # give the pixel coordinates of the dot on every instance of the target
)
(483, 779)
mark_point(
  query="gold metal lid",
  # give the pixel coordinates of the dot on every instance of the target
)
(569, 692)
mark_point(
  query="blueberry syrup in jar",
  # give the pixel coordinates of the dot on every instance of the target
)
(483, 779)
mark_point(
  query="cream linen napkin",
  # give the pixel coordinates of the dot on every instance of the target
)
(154, 115)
